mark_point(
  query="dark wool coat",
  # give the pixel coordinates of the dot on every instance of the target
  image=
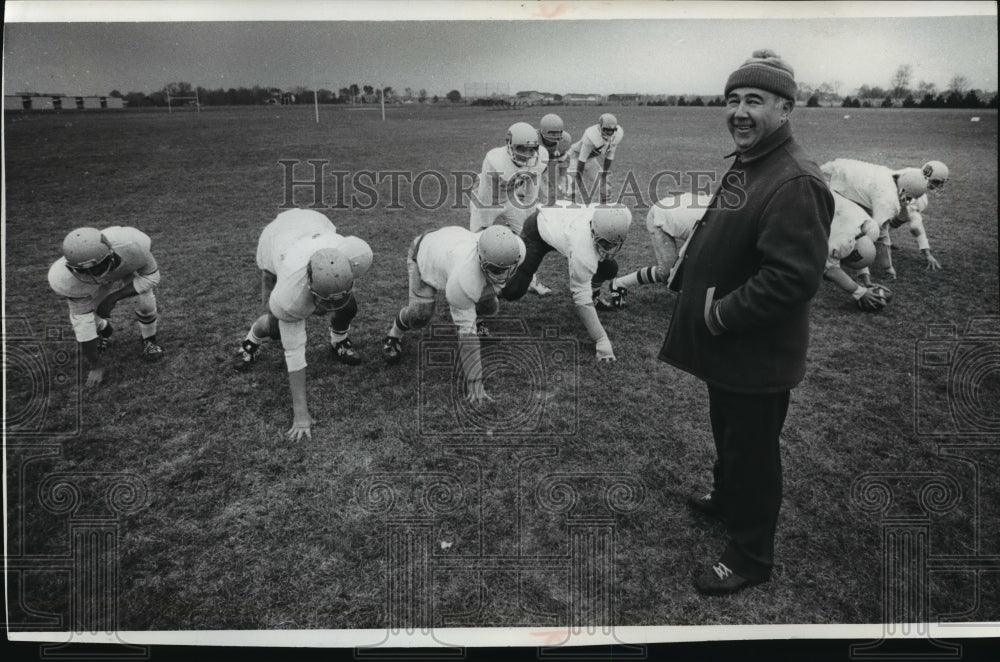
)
(760, 250)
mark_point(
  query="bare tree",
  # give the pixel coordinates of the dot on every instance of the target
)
(900, 81)
(958, 84)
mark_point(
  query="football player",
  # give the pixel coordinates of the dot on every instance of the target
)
(557, 143)
(98, 269)
(853, 234)
(307, 268)
(887, 196)
(936, 175)
(590, 159)
(470, 268)
(510, 184)
(669, 223)
(588, 237)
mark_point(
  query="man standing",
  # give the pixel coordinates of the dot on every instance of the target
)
(98, 269)
(741, 321)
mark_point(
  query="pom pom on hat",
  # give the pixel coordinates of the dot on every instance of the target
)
(767, 71)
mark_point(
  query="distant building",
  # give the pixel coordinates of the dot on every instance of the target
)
(625, 99)
(576, 99)
(60, 102)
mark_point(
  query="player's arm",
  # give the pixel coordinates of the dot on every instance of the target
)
(586, 149)
(865, 298)
(579, 282)
(81, 317)
(463, 314)
(293, 339)
(920, 234)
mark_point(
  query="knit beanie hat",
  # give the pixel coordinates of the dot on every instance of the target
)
(767, 71)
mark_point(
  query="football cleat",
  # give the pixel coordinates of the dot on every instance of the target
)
(151, 352)
(482, 330)
(618, 296)
(392, 350)
(246, 355)
(602, 304)
(539, 288)
(344, 352)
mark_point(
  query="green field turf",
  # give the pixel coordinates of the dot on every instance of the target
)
(236, 527)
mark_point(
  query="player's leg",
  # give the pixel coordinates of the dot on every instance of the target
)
(340, 324)
(145, 313)
(487, 306)
(883, 252)
(263, 328)
(514, 218)
(666, 253)
(607, 269)
(415, 315)
(535, 250)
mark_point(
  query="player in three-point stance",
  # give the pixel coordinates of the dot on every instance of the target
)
(98, 269)
(853, 234)
(470, 268)
(307, 269)
(669, 223)
(889, 197)
(510, 184)
(590, 159)
(588, 237)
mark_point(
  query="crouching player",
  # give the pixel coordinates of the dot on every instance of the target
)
(853, 234)
(588, 237)
(307, 269)
(470, 268)
(98, 269)
(669, 223)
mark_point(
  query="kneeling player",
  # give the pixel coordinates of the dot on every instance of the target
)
(588, 237)
(669, 223)
(98, 269)
(470, 268)
(307, 269)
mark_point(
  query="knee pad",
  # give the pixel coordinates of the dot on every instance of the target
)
(417, 315)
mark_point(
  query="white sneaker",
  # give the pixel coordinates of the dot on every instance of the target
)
(538, 288)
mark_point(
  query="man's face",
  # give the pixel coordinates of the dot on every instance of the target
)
(752, 114)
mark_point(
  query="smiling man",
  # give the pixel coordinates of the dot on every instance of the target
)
(741, 321)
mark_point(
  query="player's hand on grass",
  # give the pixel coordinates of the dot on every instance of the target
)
(604, 352)
(477, 394)
(301, 427)
(94, 377)
(932, 263)
(869, 301)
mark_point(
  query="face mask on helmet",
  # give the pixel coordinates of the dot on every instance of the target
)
(88, 254)
(552, 128)
(331, 279)
(609, 126)
(936, 174)
(522, 145)
(499, 252)
(608, 229)
(92, 271)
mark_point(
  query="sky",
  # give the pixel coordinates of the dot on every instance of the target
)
(642, 47)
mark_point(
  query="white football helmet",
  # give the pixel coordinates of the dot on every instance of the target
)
(88, 254)
(608, 124)
(330, 274)
(522, 144)
(911, 185)
(500, 252)
(359, 253)
(609, 228)
(551, 128)
(936, 174)
(863, 254)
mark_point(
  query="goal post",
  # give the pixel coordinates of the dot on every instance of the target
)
(171, 100)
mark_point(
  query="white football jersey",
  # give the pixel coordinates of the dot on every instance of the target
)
(867, 184)
(566, 227)
(677, 214)
(506, 191)
(592, 145)
(448, 261)
(849, 221)
(130, 244)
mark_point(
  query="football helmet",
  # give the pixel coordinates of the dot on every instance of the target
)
(359, 253)
(551, 128)
(499, 253)
(522, 144)
(936, 174)
(330, 274)
(863, 254)
(608, 124)
(88, 254)
(911, 185)
(609, 228)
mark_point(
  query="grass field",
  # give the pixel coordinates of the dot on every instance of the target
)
(399, 511)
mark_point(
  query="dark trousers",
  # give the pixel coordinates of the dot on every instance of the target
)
(747, 475)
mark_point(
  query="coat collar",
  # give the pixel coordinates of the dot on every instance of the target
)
(767, 145)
